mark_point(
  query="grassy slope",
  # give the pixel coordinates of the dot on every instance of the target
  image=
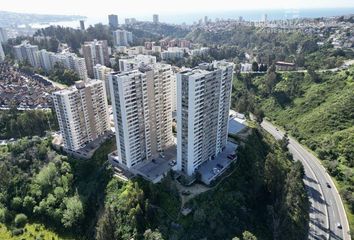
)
(32, 231)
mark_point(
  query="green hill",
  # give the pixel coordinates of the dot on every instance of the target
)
(316, 108)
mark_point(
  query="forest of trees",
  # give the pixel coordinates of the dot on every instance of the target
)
(17, 124)
(38, 184)
(75, 37)
(270, 46)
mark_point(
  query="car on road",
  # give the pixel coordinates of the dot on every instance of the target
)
(339, 225)
(328, 185)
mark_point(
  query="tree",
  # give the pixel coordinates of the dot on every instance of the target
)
(246, 235)
(152, 235)
(255, 67)
(20, 220)
(73, 212)
(313, 75)
(259, 114)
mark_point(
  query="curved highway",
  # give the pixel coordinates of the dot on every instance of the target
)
(328, 219)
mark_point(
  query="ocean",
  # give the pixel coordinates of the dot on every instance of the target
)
(189, 18)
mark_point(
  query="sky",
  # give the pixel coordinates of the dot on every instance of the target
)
(145, 7)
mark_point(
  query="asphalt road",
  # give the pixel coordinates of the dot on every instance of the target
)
(326, 205)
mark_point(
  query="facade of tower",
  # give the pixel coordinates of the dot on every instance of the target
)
(27, 52)
(95, 52)
(113, 21)
(203, 103)
(82, 113)
(141, 101)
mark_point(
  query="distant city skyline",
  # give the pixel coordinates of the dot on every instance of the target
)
(137, 8)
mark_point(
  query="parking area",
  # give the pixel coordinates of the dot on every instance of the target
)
(86, 152)
(160, 165)
(212, 169)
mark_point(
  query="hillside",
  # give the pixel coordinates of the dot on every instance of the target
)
(271, 46)
(316, 108)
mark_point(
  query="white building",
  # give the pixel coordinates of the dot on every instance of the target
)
(45, 59)
(141, 102)
(2, 54)
(134, 63)
(173, 53)
(122, 37)
(135, 50)
(156, 49)
(102, 73)
(73, 62)
(27, 52)
(82, 113)
(95, 52)
(203, 103)
(246, 67)
(200, 52)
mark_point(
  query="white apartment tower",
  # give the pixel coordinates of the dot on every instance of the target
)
(122, 37)
(102, 73)
(141, 101)
(27, 52)
(95, 52)
(76, 63)
(203, 103)
(45, 59)
(82, 113)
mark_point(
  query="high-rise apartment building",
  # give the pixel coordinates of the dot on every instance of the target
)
(141, 101)
(82, 113)
(45, 59)
(122, 37)
(203, 103)
(155, 18)
(3, 35)
(95, 52)
(27, 52)
(2, 54)
(135, 62)
(82, 25)
(102, 73)
(73, 62)
(113, 21)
